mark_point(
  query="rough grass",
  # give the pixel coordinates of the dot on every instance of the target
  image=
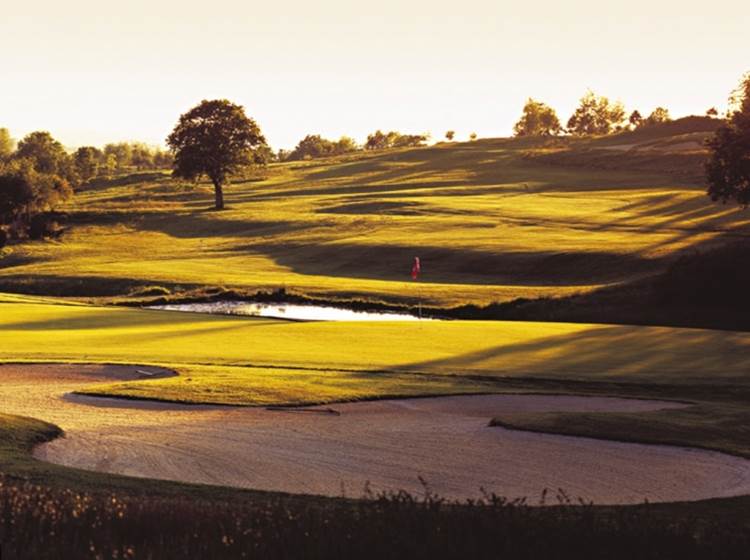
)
(490, 224)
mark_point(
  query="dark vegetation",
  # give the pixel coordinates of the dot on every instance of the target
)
(38, 522)
(728, 168)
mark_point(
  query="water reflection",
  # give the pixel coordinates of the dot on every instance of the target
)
(287, 311)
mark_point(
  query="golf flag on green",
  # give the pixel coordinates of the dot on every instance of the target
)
(415, 269)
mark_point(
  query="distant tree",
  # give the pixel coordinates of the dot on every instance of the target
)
(7, 144)
(123, 153)
(162, 159)
(595, 115)
(408, 140)
(473, 136)
(379, 140)
(658, 116)
(46, 154)
(449, 135)
(728, 166)
(537, 119)
(110, 165)
(376, 141)
(283, 155)
(312, 146)
(635, 119)
(24, 192)
(214, 138)
(713, 112)
(345, 145)
(86, 162)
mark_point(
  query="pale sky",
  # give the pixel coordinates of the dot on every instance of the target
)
(92, 72)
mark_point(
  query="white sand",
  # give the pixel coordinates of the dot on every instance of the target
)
(445, 440)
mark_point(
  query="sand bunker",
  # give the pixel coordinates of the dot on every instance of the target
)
(445, 440)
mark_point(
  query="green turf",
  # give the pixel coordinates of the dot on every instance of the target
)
(266, 361)
(490, 221)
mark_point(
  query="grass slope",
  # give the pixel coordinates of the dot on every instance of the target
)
(265, 361)
(492, 220)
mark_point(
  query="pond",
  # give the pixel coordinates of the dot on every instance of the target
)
(291, 311)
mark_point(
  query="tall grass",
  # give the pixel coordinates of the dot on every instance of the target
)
(44, 523)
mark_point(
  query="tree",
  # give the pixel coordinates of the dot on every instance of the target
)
(47, 154)
(312, 146)
(473, 136)
(378, 140)
(123, 153)
(635, 119)
(110, 165)
(86, 162)
(345, 145)
(658, 116)
(713, 112)
(728, 165)
(449, 135)
(595, 115)
(408, 140)
(537, 119)
(7, 145)
(24, 192)
(215, 139)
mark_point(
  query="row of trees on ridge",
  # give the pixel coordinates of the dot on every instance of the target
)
(595, 115)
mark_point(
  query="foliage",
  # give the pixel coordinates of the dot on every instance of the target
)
(635, 119)
(25, 192)
(86, 161)
(379, 140)
(473, 136)
(449, 135)
(46, 155)
(660, 115)
(596, 115)
(50, 523)
(314, 146)
(7, 144)
(728, 167)
(215, 139)
(537, 119)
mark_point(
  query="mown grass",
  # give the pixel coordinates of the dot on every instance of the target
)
(265, 361)
(489, 223)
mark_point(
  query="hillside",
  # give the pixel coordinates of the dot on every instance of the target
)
(492, 220)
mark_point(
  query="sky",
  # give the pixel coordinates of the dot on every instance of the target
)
(92, 72)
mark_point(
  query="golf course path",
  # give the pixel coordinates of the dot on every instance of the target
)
(445, 440)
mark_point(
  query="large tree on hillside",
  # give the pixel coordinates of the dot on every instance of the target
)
(538, 119)
(596, 115)
(728, 166)
(215, 139)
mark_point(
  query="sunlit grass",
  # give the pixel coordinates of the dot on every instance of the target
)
(488, 224)
(265, 361)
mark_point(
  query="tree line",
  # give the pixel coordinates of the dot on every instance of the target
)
(37, 173)
(314, 146)
(595, 115)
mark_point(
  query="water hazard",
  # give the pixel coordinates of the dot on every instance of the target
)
(287, 311)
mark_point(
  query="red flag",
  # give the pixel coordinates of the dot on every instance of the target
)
(415, 270)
